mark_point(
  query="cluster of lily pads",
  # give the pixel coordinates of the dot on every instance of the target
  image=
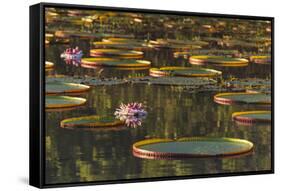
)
(126, 49)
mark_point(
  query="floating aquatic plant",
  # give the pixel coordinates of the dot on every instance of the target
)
(132, 114)
(72, 54)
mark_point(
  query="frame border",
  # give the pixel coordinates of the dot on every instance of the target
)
(37, 94)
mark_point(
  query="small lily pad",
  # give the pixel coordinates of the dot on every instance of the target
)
(57, 102)
(92, 122)
(122, 43)
(249, 82)
(175, 81)
(218, 60)
(205, 52)
(240, 43)
(64, 88)
(175, 46)
(191, 147)
(88, 80)
(242, 98)
(49, 65)
(261, 59)
(116, 53)
(251, 117)
(183, 72)
(263, 89)
(108, 62)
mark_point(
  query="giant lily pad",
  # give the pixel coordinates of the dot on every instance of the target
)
(191, 147)
(92, 122)
(109, 62)
(63, 88)
(118, 45)
(176, 46)
(80, 34)
(218, 60)
(240, 43)
(49, 65)
(250, 117)
(242, 98)
(249, 82)
(173, 43)
(116, 53)
(123, 43)
(205, 51)
(88, 80)
(175, 81)
(184, 72)
(57, 102)
(122, 40)
(261, 59)
(263, 89)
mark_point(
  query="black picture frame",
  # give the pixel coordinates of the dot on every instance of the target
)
(37, 94)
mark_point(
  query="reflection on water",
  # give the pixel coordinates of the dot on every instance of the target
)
(79, 156)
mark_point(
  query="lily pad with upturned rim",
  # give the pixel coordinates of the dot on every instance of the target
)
(218, 60)
(108, 62)
(92, 122)
(183, 72)
(49, 65)
(122, 40)
(116, 53)
(190, 82)
(261, 59)
(250, 117)
(155, 44)
(58, 102)
(122, 43)
(87, 80)
(242, 98)
(191, 147)
(64, 88)
(206, 51)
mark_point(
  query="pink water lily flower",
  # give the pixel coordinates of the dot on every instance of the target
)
(72, 53)
(131, 113)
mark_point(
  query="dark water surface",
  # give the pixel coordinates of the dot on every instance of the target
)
(80, 156)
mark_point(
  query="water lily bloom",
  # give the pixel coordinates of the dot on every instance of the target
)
(72, 53)
(132, 114)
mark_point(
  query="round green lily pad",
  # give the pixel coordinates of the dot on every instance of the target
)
(116, 53)
(121, 43)
(265, 90)
(250, 82)
(176, 46)
(191, 147)
(63, 88)
(108, 62)
(49, 65)
(218, 60)
(173, 43)
(187, 82)
(205, 51)
(250, 117)
(240, 43)
(96, 60)
(122, 40)
(92, 122)
(184, 72)
(57, 102)
(87, 80)
(117, 45)
(242, 98)
(261, 59)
